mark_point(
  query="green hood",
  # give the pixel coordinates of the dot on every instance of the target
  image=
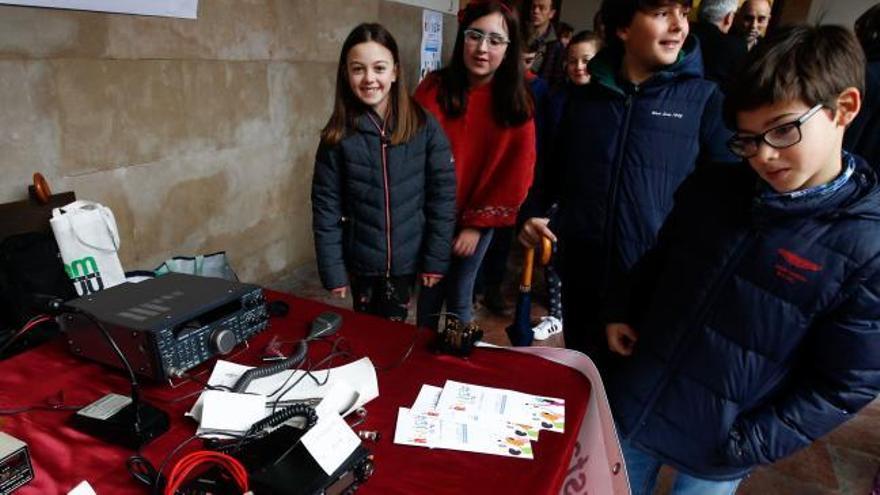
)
(605, 66)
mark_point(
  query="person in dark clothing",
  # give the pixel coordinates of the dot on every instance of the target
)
(722, 52)
(383, 192)
(752, 328)
(863, 136)
(752, 20)
(543, 40)
(490, 278)
(625, 143)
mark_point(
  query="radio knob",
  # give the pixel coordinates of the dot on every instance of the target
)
(223, 341)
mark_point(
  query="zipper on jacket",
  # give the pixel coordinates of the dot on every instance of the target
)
(387, 205)
(715, 291)
(384, 143)
(615, 182)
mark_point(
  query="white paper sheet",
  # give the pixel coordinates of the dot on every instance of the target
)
(330, 442)
(346, 388)
(229, 412)
(424, 429)
(359, 375)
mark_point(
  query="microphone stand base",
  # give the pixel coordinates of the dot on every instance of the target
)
(112, 419)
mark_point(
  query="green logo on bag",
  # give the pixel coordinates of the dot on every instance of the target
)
(85, 272)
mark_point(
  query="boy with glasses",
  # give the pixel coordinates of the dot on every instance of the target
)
(752, 328)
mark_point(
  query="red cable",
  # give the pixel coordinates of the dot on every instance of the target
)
(33, 322)
(36, 320)
(188, 463)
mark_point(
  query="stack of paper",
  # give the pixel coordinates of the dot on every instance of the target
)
(472, 418)
(340, 390)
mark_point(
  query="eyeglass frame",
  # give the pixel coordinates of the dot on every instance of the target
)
(762, 137)
(479, 37)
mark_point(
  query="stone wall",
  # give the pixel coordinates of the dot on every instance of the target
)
(199, 134)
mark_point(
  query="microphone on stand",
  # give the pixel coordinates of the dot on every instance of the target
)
(128, 421)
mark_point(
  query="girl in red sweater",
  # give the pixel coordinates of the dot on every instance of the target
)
(483, 103)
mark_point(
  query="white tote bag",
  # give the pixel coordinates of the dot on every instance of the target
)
(89, 243)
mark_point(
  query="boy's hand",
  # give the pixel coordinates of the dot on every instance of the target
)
(339, 292)
(465, 242)
(621, 338)
(533, 230)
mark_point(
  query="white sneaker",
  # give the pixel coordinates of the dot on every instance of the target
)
(548, 327)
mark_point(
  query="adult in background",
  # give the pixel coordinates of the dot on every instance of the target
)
(752, 20)
(544, 41)
(565, 31)
(863, 136)
(721, 51)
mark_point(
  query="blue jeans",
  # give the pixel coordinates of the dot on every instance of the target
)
(456, 288)
(643, 468)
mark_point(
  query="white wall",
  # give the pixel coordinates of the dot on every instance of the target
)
(839, 12)
(579, 13)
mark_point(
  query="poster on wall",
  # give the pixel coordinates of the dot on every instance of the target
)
(445, 6)
(432, 42)
(187, 9)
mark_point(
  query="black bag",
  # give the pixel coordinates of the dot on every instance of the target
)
(30, 264)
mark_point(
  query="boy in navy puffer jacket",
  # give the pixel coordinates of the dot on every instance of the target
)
(625, 142)
(753, 326)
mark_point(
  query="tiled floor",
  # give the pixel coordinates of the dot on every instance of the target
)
(842, 463)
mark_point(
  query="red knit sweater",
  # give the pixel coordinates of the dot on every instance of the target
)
(493, 164)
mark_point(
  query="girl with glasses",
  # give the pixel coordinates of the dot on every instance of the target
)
(482, 102)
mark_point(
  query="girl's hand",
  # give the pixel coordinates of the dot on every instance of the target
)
(465, 242)
(621, 338)
(430, 280)
(533, 230)
(339, 292)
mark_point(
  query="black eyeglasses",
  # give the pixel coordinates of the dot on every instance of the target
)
(779, 137)
(476, 37)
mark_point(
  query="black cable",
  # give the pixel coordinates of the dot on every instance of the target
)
(406, 354)
(308, 373)
(135, 386)
(30, 325)
(333, 345)
(254, 373)
(39, 407)
(143, 470)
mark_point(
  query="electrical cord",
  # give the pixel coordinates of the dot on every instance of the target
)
(28, 326)
(51, 403)
(402, 359)
(135, 386)
(192, 461)
(143, 470)
(254, 373)
(308, 373)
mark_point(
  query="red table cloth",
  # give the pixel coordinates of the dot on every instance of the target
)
(63, 457)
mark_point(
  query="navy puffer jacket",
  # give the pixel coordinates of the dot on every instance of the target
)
(622, 151)
(376, 218)
(758, 323)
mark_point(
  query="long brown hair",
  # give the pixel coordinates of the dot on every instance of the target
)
(407, 115)
(512, 102)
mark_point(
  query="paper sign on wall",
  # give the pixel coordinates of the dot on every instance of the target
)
(432, 42)
(187, 9)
